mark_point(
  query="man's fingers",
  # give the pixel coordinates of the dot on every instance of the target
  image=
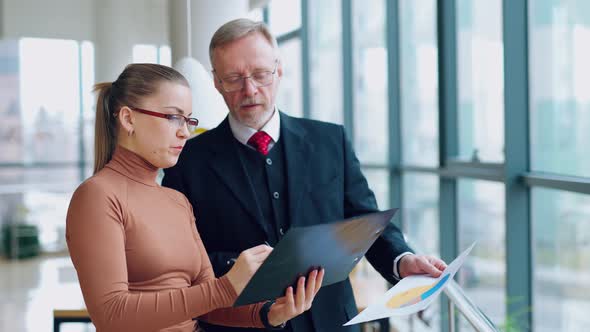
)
(439, 264)
(427, 267)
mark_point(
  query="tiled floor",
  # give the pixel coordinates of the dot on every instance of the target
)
(32, 288)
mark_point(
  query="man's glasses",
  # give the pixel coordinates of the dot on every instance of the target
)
(260, 78)
(176, 120)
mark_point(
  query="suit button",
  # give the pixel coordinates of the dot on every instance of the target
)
(281, 231)
(275, 195)
(268, 161)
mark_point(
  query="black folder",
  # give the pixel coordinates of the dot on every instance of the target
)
(336, 246)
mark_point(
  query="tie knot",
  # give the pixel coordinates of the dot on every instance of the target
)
(260, 142)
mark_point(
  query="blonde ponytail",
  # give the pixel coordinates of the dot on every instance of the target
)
(104, 128)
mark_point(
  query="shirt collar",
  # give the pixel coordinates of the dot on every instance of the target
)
(243, 133)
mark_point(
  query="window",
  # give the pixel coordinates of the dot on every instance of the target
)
(370, 82)
(559, 96)
(325, 43)
(419, 87)
(480, 80)
(481, 218)
(289, 99)
(420, 212)
(561, 228)
(47, 110)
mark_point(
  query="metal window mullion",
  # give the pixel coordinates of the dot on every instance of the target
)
(448, 126)
(517, 149)
(81, 139)
(394, 105)
(305, 60)
(347, 69)
(289, 36)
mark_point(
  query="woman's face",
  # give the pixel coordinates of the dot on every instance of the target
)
(160, 140)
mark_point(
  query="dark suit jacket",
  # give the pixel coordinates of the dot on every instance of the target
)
(325, 184)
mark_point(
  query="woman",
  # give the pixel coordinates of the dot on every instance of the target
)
(139, 258)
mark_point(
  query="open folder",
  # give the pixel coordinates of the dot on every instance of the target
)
(337, 247)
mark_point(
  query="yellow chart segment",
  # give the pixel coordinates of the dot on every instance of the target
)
(404, 297)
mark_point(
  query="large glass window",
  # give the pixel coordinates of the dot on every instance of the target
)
(420, 212)
(419, 82)
(559, 36)
(482, 219)
(325, 47)
(370, 82)
(561, 229)
(47, 110)
(289, 99)
(481, 79)
(378, 180)
(50, 99)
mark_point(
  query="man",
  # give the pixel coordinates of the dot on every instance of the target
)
(261, 172)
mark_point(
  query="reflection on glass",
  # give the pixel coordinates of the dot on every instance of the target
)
(481, 79)
(325, 47)
(284, 16)
(289, 96)
(559, 36)
(482, 219)
(378, 180)
(561, 271)
(419, 82)
(370, 82)
(50, 99)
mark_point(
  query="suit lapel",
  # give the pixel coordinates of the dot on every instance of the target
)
(297, 152)
(226, 162)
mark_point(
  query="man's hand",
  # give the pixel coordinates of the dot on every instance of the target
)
(420, 264)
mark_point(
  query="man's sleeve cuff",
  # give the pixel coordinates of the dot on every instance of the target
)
(396, 264)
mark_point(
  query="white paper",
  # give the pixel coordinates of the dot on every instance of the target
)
(411, 294)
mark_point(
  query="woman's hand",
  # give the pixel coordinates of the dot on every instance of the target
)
(246, 265)
(292, 305)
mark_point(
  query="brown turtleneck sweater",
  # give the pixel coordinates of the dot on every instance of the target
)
(140, 261)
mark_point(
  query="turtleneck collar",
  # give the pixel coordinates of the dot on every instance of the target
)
(131, 165)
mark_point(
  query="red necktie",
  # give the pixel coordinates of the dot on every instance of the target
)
(260, 142)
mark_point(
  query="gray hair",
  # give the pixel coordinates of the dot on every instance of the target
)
(236, 29)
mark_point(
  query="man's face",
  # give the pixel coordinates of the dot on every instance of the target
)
(250, 55)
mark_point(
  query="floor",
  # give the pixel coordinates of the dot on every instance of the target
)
(32, 288)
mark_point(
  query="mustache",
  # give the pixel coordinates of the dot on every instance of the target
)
(251, 101)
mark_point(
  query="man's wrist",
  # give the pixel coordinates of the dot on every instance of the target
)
(397, 264)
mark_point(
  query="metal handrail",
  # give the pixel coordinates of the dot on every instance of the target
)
(458, 299)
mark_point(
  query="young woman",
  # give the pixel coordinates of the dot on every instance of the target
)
(139, 258)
